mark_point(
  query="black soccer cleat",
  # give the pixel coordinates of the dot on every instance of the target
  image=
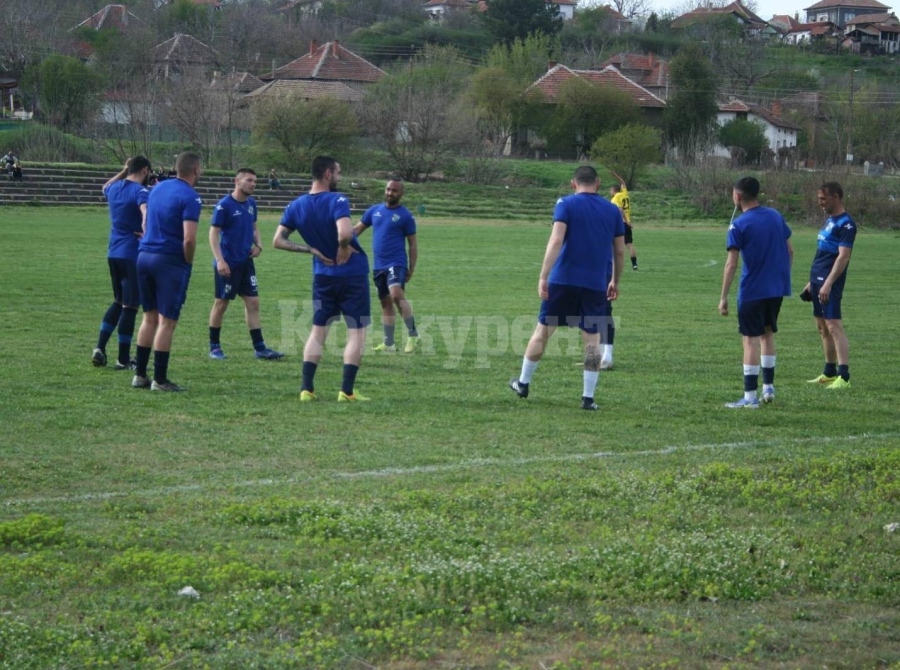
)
(98, 358)
(589, 404)
(520, 388)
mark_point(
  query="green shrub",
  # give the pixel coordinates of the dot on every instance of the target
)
(33, 530)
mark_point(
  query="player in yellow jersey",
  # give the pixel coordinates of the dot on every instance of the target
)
(619, 197)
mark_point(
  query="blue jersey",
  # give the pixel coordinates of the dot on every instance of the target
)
(170, 204)
(125, 198)
(838, 231)
(237, 221)
(315, 218)
(390, 228)
(761, 235)
(592, 224)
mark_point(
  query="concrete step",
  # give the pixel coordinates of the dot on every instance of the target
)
(82, 186)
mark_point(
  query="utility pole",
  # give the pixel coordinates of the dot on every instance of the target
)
(849, 157)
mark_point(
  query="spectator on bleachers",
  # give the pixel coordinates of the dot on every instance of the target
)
(10, 161)
(274, 184)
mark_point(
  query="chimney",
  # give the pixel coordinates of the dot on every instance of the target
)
(776, 109)
(313, 47)
(551, 64)
(334, 48)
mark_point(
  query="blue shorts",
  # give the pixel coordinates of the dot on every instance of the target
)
(384, 279)
(754, 316)
(163, 281)
(242, 281)
(575, 307)
(334, 296)
(831, 309)
(123, 273)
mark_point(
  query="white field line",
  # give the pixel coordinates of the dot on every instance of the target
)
(472, 464)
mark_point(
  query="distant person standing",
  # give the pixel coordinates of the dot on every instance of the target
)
(761, 238)
(127, 196)
(825, 289)
(620, 198)
(574, 284)
(234, 240)
(164, 268)
(393, 228)
(340, 273)
(274, 184)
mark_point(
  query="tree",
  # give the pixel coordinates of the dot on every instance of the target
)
(747, 136)
(586, 37)
(584, 111)
(497, 91)
(412, 114)
(631, 8)
(303, 129)
(628, 150)
(66, 89)
(690, 113)
(524, 59)
(507, 20)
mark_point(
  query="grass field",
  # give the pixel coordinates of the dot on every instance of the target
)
(446, 524)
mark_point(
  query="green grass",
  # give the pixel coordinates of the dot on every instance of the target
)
(446, 523)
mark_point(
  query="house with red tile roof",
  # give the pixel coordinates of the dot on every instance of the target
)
(780, 133)
(646, 70)
(810, 33)
(551, 83)
(181, 53)
(874, 33)
(330, 62)
(111, 17)
(840, 12)
(436, 8)
(752, 23)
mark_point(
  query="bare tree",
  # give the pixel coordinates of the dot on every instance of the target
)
(190, 106)
(412, 113)
(29, 29)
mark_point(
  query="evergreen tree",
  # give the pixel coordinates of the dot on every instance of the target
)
(507, 20)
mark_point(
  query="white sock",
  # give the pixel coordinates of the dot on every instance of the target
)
(528, 368)
(607, 352)
(590, 383)
(768, 388)
(753, 371)
(767, 361)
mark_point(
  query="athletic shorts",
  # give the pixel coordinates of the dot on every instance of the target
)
(755, 315)
(163, 282)
(384, 279)
(242, 281)
(575, 307)
(629, 234)
(347, 296)
(123, 273)
(831, 309)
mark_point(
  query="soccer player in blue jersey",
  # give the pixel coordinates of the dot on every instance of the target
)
(127, 195)
(234, 239)
(826, 285)
(393, 228)
(761, 238)
(340, 273)
(574, 286)
(164, 268)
